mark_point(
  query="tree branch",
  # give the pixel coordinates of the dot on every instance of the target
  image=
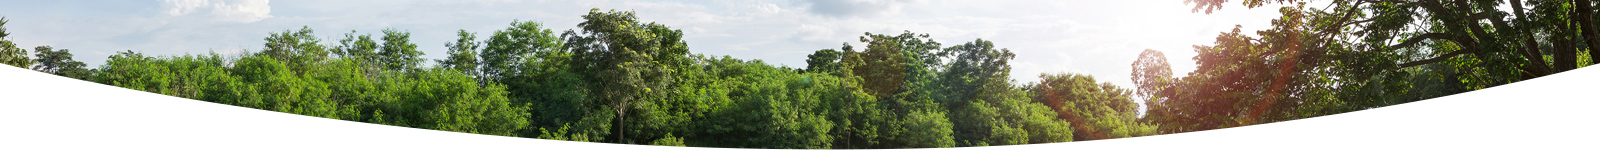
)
(1418, 39)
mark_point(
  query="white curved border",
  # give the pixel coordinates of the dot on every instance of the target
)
(41, 111)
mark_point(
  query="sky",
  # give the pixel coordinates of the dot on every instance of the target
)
(1101, 38)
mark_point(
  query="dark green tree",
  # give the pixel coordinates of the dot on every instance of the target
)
(823, 61)
(59, 62)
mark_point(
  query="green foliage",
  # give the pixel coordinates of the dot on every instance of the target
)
(59, 62)
(358, 47)
(297, 48)
(669, 141)
(338, 89)
(823, 61)
(9, 53)
(463, 54)
(562, 134)
(927, 129)
(626, 62)
(397, 52)
(618, 79)
(1097, 111)
(506, 49)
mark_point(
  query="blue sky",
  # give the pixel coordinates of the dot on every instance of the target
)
(1095, 37)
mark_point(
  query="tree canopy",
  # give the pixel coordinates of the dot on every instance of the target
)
(618, 78)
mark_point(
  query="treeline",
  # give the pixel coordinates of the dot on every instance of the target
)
(616, 79)
(619, 80)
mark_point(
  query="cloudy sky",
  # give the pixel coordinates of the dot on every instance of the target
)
(1095, 37)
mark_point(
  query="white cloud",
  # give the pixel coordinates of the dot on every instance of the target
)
(855, 8)
(243, 11)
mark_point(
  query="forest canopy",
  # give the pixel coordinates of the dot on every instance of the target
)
(618, 79)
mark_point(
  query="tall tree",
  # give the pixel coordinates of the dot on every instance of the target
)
(463, 54)
(625, 60)
(397, 52)
(1151, 73)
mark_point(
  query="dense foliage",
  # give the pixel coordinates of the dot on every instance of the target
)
(617, 79)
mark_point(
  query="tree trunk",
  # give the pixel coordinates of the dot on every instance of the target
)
(1566, 54)
(1591, 33)
(622, 124)
(1530, 47)
(1565, 49)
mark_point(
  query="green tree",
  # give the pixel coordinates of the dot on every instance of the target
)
(625, 60)
(59, 62)
(823, 61)
(188, 76)
(297, 48)
(975, 86)
(927, 129)
(463, 54)
(9, 53)
(397, 52)
(527, 59)
(669, 141)
(507, 48)
(358, 47)
(1097, 111)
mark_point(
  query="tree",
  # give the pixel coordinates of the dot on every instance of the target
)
(528, 59)
(625, 60)
(1151, 73)
(361, 48)
(669, 141)
(298, 48)
(505, 50)
(771, 108)
(463, 54)
(975, 86)
(1362, 54)
(978, 71)
(1245, 81)
(187, 76)
(9, 53)
(1491, 45)
(1096, 111)
(59, 62)
(452, 101)
(823, 61)
(927, 129)
(397, 52)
